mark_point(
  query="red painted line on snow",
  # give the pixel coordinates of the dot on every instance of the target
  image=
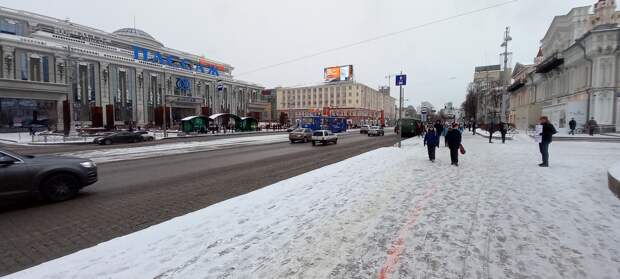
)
(398, 246)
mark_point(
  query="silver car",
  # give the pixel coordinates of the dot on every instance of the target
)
(376, 131)
(300, 134)
(364, 129)
(324, 137)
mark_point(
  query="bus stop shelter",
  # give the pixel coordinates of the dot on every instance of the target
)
(195, 124)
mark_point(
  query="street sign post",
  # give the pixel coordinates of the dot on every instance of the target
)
(400, 81)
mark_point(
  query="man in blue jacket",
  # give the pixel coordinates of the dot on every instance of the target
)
(431, 140)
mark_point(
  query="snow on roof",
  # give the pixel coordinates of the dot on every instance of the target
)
(189, 118)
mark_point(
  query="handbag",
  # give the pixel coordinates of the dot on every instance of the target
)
(462, 149)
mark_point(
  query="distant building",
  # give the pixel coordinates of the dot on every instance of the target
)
(489, 87)
(357, 102)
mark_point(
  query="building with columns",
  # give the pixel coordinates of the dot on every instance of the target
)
(359, 103)
(577, 75)
(62, 74)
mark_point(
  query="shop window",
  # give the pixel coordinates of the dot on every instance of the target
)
(91, 84)
(46, 69)
(35, 69)
(23, 64)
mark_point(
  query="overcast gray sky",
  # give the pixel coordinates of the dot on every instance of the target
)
(249, 34)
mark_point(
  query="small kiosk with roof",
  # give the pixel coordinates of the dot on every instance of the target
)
(195, 124)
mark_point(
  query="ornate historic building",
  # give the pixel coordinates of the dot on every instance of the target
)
(62, 74)
(578, 76)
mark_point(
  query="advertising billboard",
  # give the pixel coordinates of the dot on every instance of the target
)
(339, 73)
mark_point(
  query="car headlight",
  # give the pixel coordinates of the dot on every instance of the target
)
(88, 165)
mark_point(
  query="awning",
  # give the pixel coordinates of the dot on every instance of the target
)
(549, 64)
(515, 86)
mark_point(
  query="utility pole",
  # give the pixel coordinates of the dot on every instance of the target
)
(400, 81)
(505, 79)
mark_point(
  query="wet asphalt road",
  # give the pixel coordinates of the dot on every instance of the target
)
(135, 194)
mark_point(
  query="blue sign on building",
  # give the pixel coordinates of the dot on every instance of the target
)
(401, 80)
(170, 61)
(183, 84)
(220, 87)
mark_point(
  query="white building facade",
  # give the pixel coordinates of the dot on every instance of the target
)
(61, 74)
(578, 76)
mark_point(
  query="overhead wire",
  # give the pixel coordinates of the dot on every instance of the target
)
(379, 37)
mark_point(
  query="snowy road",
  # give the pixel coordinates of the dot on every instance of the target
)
(391, 214)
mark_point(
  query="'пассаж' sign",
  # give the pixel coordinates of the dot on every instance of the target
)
(170, 60)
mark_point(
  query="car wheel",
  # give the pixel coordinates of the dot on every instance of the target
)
(323, 142)
(305, 140)
(107, 142)
(292, 141)
(336, 142)
(313, 143)
(59, 187)
(151, 139)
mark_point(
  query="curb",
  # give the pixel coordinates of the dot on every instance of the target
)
(614, 182)
(220, 135)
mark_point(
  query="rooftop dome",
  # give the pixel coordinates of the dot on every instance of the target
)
(137, 35)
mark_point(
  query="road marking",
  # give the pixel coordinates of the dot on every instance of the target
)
(398, 246)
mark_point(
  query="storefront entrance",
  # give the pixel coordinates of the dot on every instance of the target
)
(180, 113)
(18, 114)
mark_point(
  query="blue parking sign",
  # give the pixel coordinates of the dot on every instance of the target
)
(401, 80)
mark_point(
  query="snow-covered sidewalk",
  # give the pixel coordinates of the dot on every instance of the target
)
(390, 213)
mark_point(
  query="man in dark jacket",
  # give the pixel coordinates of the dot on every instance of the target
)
(572, 124)
(439, 130)
(592, 126)
(491, 131)
(547, 137)
(503, 129)
(453, 138)
(473, 127)
(431, 140)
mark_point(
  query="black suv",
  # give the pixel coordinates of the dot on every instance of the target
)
(54, 178)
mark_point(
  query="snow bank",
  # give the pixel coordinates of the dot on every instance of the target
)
(141, 152)
(390, 211)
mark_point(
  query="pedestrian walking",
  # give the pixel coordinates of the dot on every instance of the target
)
(431, 141)
(453, 137)
(473, 127)
(445, 132)
(503, 129)
(572, 124)
(439, 130)
(547, 137)
(491, 131)
(592, 126)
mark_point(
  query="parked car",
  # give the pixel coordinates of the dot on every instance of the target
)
(146, 136)
(324, 137)
(120, 137)
(364, 129)
(54, 178)
(301, 134)
(376, 131)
